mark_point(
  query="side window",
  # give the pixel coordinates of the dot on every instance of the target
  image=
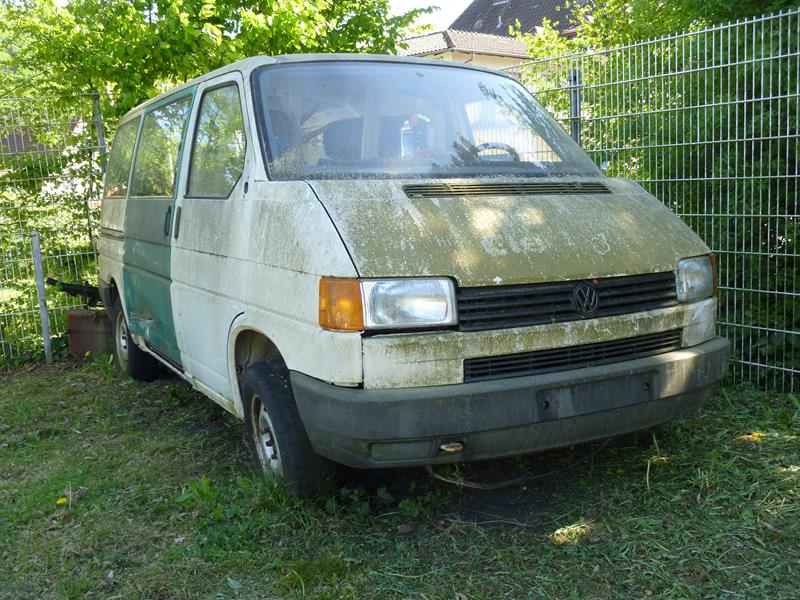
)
(157, 154)
(219, 144)
(119, 165)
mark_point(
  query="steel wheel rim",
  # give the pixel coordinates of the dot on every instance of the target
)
(265, 441)
(121, 339)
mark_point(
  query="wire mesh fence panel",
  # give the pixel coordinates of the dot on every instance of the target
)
(49, 179)
(708, 122)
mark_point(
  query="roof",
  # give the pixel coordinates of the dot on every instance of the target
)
(247, 65)
(496, 16)
(465, 41)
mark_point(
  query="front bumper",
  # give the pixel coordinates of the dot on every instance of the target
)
(372, 428)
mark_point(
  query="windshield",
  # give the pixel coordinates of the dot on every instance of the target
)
(332, 120)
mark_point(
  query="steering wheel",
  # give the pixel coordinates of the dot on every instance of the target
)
(497, 146)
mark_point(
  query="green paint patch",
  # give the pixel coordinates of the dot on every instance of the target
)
(111, 488)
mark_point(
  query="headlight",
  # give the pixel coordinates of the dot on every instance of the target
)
(696, 278)
(406, 303)
(351, 304)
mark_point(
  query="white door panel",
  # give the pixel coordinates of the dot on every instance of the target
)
(206, 273)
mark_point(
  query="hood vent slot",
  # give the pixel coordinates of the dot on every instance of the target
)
(533, 188)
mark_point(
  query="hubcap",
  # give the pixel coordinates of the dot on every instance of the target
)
(266, 444)
(121, 339)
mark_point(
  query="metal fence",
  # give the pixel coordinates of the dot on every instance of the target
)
(49, 178)
(708, 122)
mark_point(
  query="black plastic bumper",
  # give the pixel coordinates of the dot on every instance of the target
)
(403, 427)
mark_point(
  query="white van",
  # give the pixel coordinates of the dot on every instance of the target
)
(384, 261)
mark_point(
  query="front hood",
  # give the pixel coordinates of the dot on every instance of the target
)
(494, 240)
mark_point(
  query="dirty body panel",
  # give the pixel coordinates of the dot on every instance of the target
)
(414, 396)
(417, 215)
(494, 240)
(497, 239)
(411, 360)
(149, 214)
(271, 281)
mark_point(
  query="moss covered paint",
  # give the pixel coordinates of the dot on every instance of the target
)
(506, 239)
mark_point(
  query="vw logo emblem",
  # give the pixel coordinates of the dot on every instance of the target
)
(585, 298)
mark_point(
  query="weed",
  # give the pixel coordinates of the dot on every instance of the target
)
(424, 501)
(160, 501)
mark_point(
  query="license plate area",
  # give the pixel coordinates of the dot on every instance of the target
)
(594, 396)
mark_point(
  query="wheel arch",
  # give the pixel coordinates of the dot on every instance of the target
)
(109, 292)
(247, 345)
(113, 291)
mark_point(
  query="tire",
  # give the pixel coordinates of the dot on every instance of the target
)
(128, 356)
(275, 433)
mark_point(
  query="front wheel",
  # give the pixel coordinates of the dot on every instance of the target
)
(275, 433)
(129, 357)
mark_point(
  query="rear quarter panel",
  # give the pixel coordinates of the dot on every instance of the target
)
(110, 240)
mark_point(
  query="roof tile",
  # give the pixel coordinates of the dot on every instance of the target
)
(465, 41)
(495, 16)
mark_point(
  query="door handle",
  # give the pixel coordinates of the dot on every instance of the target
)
(177, 222)
(167, 221)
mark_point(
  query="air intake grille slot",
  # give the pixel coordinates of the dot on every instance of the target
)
(501, 307)
(573, 357)
(447, 190)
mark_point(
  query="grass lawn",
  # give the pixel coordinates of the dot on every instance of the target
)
(115, 489)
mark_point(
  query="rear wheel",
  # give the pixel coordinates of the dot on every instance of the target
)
(129, 357)
(275, 433)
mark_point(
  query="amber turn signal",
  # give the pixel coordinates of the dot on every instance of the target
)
(340, 304)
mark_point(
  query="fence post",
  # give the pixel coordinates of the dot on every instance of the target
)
(98, 121)
(101, 152)
(575, 104)
(39, 272)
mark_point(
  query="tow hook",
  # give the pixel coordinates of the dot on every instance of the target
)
(451, 447)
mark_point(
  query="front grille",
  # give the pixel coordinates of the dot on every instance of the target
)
(501, 307)
(530, 188)
(572, 357)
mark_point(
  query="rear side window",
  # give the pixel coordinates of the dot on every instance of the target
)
(219, 145)
(157, 154)
(119, 166)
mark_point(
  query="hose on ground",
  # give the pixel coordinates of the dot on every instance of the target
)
(477, 485)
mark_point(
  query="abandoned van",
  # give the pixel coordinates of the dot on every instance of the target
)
(386, 262)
